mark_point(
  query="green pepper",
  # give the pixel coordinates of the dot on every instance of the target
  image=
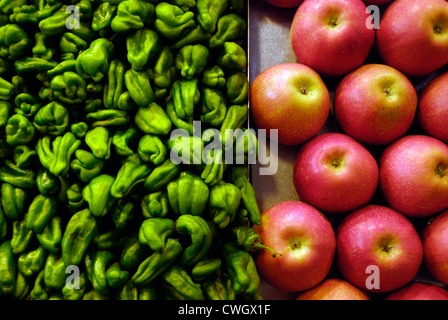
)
(96, 264)
(22, 236)
(236, 117)
(115, 276)
(223, 203)
(185, 148)
(171, 21)
(102, 17)
(54, 24)
(86, 165)
(6, 89)
(115, 84)
(79, 129)
(24, 156)
(29, 64)
(201, 236)
(237, 88)
(185, 5)
(139, 87)
(155, 204)
(52, 118)
(151, 149)
(3, 225)
(191, 60)
(27, 104)
(54, 272)
(13, 201)
(142, 46)
(39, 292)
(21, 178)
(108, 117)
(155, 231)
(50, 237)
(186, 95)
(6, 6)
(13, 41)
(41, 49)
(239, 177)
(8, 268)
(132, 253)
(31, 262)
(93, 63)
(42, 209)
(164, 71)
(246, 146)
(22, 288)
(132, 172)
(188, 194)
(80, 231)
(110, 239)
(19, 130)
(123, 214)
(63, 149)
(98, 195)
(178, 285)
(95, 295)
(132, 14)
(99, 140)
(179, 123)
(219, 288)
(69, 88)
(247, 238)
(232, 57)
(72, 45)
(153, 119)
(229, 27)
(194, 36)
(206, 268)
(209, 11)
(213, 76)
(213, 107)
(76, 292)
(241, 269)
(157, 263)
(121, 139)
(46, 182)
(5, 112)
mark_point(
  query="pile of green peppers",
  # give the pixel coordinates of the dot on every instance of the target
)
(92, 205)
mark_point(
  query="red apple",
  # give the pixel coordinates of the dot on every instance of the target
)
(379, 249)
(291, 98)
(333, 289)
(419, 291)
(414, 175)
(285, 3)
(433, 108)
(413, 36)
(376, 2)
(335, 173)
(435, 247)
(331, 36)
(375, 104)
(305, 244)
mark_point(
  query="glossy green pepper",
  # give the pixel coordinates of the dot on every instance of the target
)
(86, 165)
(8, 268)
(115, 276)
(80, 231)
(110, 239)
(179, 285)
(32, 262)
(69, 88)
(132, 172)
(5, 112)
(6, 6)
(41, 49)
(54, 24)
(41, 210)
(179, 123)
(13, 41)
(171, 21)
(194, 36)
(121, 140)
(22, 287)
(155, 204)
(201, 236)
(164, 71)
(3, 225)
(248, 239)
(246, 146)
(98, 195)
(230, 27)
(142, 45)
(153, 119)
(206, 268)
(214, 168)
(132, 14)
(219, 288)
(47, 183)
(188, 194)
(132, 254)
(96, 264)
(26, 104)
(50, 237)
(223, 203)
(72, 45)
(241, 269)
(213, 107)
(186, 95)
(93, 63)
(24, 156)
(19, 130)
(123, 213)
(115, 84)
(155, 231)
(21, 178)
(232, 57)
(191, 60)
(79, 129)
(213, 76)
(237, 88)
(13, 201)
(139, 87)
(236, 117)
(185, 148)
(239, 177)
(63, 149)
(76, 292)
(53, 118)
(151, 149)
(54, 272)
(74, 197)
(209, 11)
(157, 263)
(21, 236)
(29, 64)
(39, 292)
(102, 17)
(99, 141)
(185, 5)
(108, 117)
(6, 89)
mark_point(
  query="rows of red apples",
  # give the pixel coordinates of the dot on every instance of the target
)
(375, 244)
